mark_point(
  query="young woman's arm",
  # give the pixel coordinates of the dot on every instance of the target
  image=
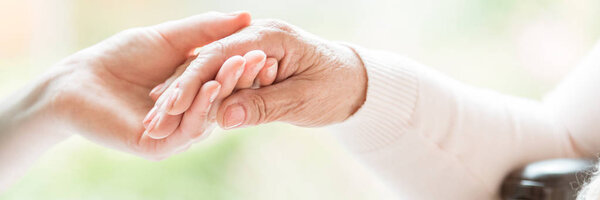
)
(28, 127)
(101, 93)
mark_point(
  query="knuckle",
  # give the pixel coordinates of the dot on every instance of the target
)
(269, 29)
(205, 53)
(194, 67)
(277, 25)
(218, 47)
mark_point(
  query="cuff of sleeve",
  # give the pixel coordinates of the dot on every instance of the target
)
(392, 90)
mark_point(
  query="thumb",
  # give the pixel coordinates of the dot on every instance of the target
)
(188, 33)
(247, 107)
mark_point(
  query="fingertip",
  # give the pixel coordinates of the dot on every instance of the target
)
(230, 73)
(222, 109)
(162, 126)
(255, 61)
(255, 55)
(155, 92)
(234, 116)
(149, 117)
(268, 74)
(212, 84)
(234, 61)
(243, 17)
(238, 63)
(212, 88)
(270, 62)
(155, 136)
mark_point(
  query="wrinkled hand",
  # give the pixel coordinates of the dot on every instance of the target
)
(318, 82)
(252, 70)
(104, 89)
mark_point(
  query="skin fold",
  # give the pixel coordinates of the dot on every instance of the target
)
(318, 82)
(194, 72)
(237, 72)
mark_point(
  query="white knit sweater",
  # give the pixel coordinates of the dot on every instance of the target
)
(430, 137)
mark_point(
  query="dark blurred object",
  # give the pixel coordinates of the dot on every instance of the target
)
(558, 179)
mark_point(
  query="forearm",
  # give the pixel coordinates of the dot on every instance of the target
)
(28, 127)
(420, 130)
(576, 103)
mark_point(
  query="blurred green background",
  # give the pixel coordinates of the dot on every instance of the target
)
(517, 47)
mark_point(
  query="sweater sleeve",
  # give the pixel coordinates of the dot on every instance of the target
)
(430, 137)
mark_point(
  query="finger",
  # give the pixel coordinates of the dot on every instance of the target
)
(157, 91)
(185, 89)
(149, 117)
(255, 60)
(268, 73)
(158, 149)
(185, 34)
(162, 125)
(211, 57)
(230, 74)
(257, 106)
(193, 126)
(194, 120)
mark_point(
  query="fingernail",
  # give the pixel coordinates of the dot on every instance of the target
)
(261, 64)
(157, 88)
(153, 124)
(149, 116)
(234, 116)
(214, 95)
(272, 70)
(168, 105)
(161, 99)
(240, 71)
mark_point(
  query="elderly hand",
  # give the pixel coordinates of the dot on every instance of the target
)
(252, 70)
(318, 82)
(103, 90)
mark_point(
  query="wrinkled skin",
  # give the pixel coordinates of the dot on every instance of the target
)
(318, 82)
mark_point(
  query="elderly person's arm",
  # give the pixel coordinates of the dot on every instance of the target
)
(431, 137)
(426, 135)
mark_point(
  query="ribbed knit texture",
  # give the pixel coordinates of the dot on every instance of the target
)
(388, 106)
(428, 136)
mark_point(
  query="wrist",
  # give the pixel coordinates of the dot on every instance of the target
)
(357, 78)
(28, 127)
(33, 109)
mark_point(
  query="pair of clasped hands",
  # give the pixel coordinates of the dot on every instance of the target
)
(154, 91)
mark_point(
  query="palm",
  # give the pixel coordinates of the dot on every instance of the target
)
(117, 86)
(106, 95)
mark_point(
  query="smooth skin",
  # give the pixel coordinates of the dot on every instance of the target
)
(102, 93)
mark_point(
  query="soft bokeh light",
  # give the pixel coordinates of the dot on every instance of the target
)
(517, 47)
